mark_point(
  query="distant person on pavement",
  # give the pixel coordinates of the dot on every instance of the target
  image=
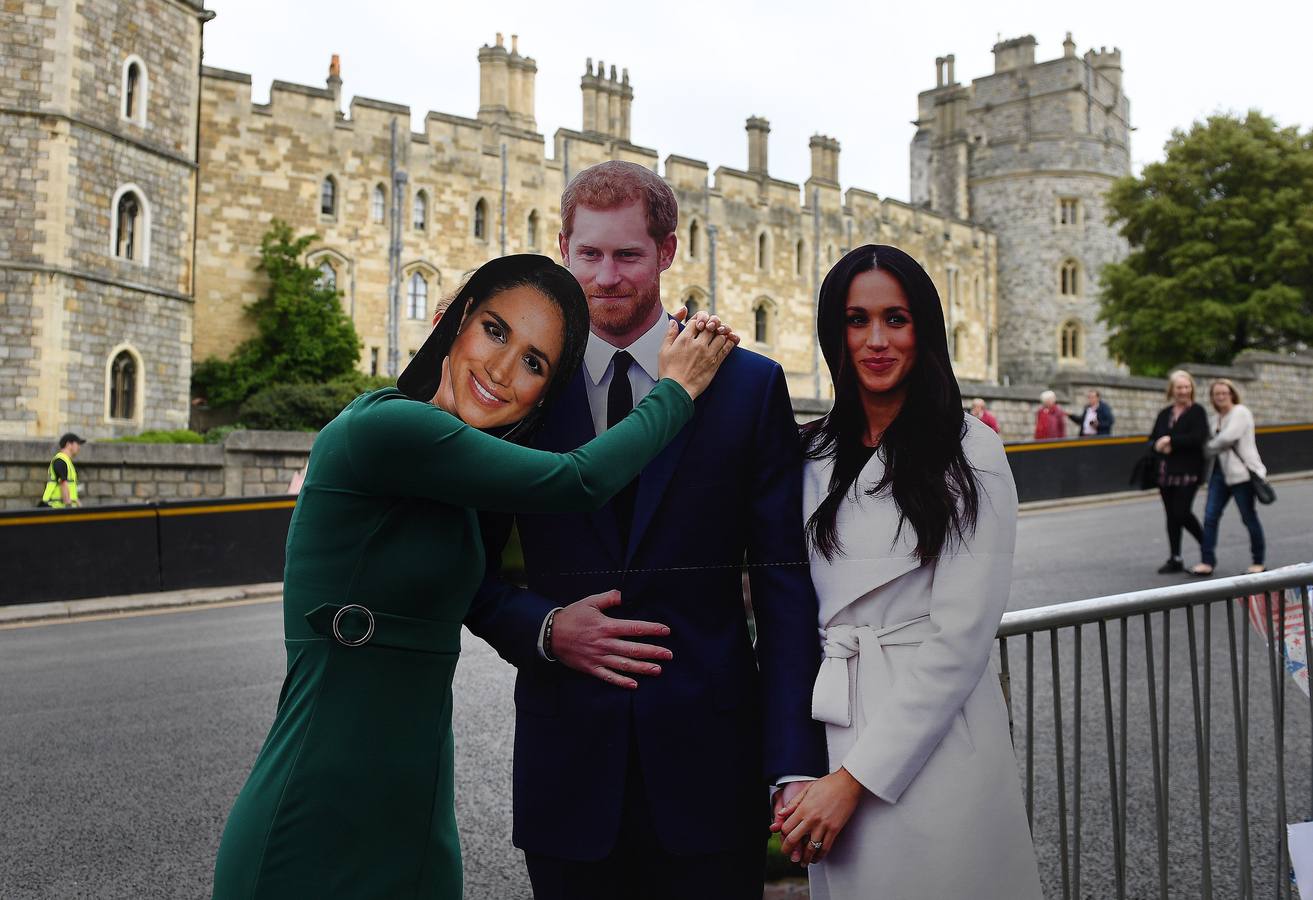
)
(981, 412)
(62, 477)
(1178, 440)
(1235, 455)
(1050, 420)
(1095, 418)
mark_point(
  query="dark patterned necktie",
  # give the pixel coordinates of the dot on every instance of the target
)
(619, 403)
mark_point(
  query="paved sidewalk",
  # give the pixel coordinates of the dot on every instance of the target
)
(73, 609)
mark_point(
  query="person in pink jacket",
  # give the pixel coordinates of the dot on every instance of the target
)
(1050, 419)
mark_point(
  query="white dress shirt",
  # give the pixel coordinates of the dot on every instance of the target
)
(599, 368)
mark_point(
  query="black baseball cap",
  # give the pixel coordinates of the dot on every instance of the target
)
(69, 437)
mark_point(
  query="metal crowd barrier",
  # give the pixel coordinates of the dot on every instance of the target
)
(1107, 815)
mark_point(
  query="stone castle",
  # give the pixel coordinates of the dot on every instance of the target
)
(137, 186)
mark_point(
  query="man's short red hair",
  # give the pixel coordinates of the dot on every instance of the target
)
(617, 183)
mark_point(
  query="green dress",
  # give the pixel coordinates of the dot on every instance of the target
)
(351, 794)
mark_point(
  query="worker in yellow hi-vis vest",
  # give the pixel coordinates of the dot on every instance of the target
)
(62, 477)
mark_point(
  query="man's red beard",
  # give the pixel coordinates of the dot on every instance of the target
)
(617, 315)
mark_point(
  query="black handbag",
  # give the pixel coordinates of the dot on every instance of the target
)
(1145, 474)
(1264, 493)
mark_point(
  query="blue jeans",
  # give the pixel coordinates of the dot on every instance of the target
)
(1219, 492)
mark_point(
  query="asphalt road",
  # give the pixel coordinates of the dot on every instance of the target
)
(124, 740)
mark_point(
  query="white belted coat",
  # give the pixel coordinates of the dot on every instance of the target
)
(912, 706)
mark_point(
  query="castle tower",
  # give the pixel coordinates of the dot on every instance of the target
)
(1029, 152)
(97, 216)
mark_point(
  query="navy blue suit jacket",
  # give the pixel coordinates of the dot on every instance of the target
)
(721, 721)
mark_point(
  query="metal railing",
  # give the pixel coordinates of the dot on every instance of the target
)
(1111, 809)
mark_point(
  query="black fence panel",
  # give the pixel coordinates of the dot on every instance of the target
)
(57, 554)
(218, 542)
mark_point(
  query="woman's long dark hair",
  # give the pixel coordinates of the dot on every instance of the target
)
(926, 471)
(553, 281)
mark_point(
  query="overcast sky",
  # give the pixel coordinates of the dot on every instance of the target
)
(847, 68)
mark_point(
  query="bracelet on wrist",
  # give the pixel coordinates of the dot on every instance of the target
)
(547, 635)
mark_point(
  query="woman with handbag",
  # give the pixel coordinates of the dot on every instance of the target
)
(1178, 440)
(1236, 465)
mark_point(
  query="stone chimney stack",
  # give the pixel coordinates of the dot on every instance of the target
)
(523, 70)
(335, 82)
(950, 60)
(1016, 53)
(758, 134)
(494, 83)
(1069, 47)
(607, 101)
(825, 158)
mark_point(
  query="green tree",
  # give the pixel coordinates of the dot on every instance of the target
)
(302, 335)
(1221, 235)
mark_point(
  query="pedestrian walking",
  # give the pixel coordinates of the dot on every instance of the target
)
(981, 412)
(62, 476)
(1235, 455)
(1096, 418)
(1178, 440)
(1050, 419)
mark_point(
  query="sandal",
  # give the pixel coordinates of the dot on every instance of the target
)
(1203, 570)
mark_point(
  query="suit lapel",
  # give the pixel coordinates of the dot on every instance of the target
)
(568, 428)
(652, 483)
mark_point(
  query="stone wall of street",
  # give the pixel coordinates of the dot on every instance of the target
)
(246, 464)
(1277, 387)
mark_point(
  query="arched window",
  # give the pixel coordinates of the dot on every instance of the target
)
(763, 252)
(129, 222)
(531, 231)
(328, 196)
(129, 237)
(136, 85)
(378, 207)
(327, 275)
(1069, 278)
(481, 220)
(799, 258)
(761, 324)
(694, 240)
(1070, 341)
(123, 382)
(417, 296)
(419, 211)
(691, 301)
(959, 341)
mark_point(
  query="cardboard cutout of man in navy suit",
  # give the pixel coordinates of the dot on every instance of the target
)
(630, 783)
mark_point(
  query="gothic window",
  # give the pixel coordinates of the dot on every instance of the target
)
(991, 347)
(417, 296)
(123, 386)
(691, 302)
(481, 220)
(128, 216)
(373, 360)
(1069, 279)
(531, 231)
(763, 252)
(419, 211)
(694, 240)
(328, 197)
(327, 276)
(134, 91)
(959, 341)
(761, 324)
(1068, 211)
(379, 204)
(799, 259)
(1070, 341)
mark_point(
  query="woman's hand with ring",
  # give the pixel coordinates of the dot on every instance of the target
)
(811, 822)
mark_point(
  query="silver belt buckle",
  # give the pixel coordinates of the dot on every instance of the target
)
(337, 623)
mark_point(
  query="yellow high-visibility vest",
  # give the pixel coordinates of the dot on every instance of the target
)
(52, 496)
